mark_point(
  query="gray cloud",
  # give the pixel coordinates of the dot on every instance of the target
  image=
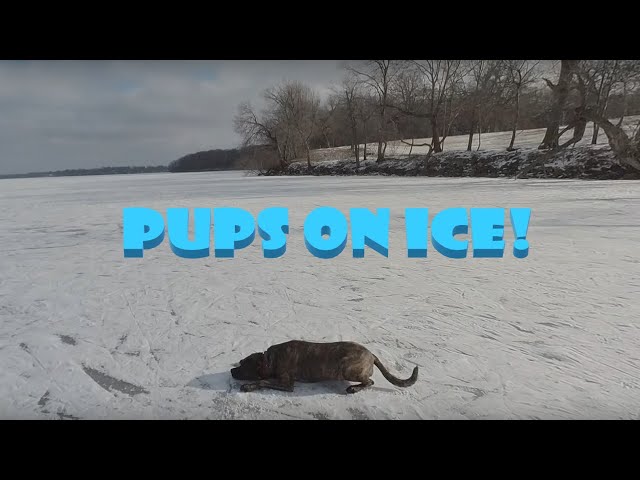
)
(84, 114)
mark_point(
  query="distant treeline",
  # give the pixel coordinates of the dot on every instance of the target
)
(90, 171)
(254, 157)
(249, 158)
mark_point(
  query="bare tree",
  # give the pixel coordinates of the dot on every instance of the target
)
(257, 130)
(407, 91)
(590, 108)
(591, 83)
(484, 76)
(452, 108)
(605, 73)
(520, 74)
(560, 93)
(348, 96)
(326, 121)
(604, 77)
(306, 105)
(288, 122)
(366, 108)
(439, 78)
(379, 75)
(585, 81)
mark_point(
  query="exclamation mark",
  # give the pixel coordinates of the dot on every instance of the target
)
(520, 223)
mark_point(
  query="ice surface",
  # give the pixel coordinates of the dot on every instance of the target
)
(86, 333)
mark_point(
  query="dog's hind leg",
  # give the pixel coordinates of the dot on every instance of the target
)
(284, 385)
(358, 369)
(356, 388)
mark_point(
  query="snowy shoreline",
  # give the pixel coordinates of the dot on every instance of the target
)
(585, 162)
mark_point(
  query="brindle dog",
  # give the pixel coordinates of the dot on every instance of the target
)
(283, 364)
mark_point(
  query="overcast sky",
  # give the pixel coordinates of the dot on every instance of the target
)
(83, 114)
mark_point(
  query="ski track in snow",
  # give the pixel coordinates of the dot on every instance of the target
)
(86, 333)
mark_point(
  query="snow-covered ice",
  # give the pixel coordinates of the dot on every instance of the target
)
(86, 333)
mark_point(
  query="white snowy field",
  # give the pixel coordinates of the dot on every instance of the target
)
(86, 333)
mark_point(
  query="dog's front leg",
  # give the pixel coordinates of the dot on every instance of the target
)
(282, 384)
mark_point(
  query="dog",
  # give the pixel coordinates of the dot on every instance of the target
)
(298, 361)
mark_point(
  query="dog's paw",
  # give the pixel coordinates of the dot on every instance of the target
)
(247, 387)
(352, 389)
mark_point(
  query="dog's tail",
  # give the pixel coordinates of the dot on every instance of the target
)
(398, 382)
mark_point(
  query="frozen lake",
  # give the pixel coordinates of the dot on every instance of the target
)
(86, 333)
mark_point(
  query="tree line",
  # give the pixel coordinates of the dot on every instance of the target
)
(247, 157)
(89, 171)
(379, 101)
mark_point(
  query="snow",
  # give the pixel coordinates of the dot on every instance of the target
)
(487, 141)
(86, 333)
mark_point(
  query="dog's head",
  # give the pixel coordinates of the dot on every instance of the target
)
(252, 367)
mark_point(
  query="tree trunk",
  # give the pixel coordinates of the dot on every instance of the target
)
(560, 93)
(515, 121)
(380, 152)
(381, 127)
(625, 103)
(326, 139)
(594, 137)
(354, 141)
(437, 148)
(596, 128)
(602, 112)
(472, 129)
(596, 131)
(626, 150)
(282, 154)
